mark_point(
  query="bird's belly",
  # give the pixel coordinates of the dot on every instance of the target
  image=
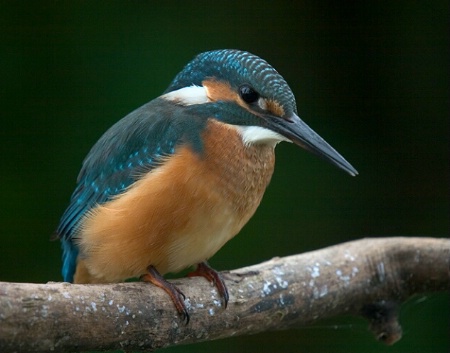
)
(202, 242)
(176, 216)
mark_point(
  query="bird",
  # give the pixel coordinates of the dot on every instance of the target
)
(169, 184)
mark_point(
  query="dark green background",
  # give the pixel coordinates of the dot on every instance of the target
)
(371, 78)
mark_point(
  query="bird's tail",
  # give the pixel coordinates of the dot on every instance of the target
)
(70, 254)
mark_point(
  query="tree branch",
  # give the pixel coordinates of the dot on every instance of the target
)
(369, 277)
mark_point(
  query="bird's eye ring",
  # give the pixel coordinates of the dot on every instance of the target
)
(248, 94)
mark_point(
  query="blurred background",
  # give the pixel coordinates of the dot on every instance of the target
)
(370, 78)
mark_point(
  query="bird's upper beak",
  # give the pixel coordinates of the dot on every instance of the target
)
(301, 134)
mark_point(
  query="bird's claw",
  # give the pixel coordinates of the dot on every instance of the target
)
(204, 270)
(177, 296)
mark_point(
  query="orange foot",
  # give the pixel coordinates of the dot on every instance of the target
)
(177, 296)
(204, 270)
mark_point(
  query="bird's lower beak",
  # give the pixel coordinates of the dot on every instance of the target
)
(301, 134)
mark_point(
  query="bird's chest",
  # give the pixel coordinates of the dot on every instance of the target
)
(239, 173)
(224, 186)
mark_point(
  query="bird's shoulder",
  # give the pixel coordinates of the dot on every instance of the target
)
(135, 145)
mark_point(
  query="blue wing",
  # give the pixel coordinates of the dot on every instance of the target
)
(131, 147)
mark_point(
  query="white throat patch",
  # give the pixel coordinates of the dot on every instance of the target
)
(188, 95)
(254, 135)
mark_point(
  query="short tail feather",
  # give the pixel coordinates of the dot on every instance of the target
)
(70, 254)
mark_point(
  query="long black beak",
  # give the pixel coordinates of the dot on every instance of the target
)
(301, 134)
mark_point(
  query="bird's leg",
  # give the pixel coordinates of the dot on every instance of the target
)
(204, 270)
(177, 296)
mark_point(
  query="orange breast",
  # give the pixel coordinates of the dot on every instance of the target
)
(180, 213)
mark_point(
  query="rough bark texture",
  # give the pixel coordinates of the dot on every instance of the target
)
(369, 277)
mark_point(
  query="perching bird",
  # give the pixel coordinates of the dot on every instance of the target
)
(168, 185)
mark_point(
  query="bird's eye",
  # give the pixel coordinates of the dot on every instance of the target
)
(248, 94)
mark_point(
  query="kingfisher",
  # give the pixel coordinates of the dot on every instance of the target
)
(169, 184)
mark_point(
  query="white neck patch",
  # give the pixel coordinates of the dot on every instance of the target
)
(188, 95)
(254, 135)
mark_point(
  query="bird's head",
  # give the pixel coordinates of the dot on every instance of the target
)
(253, 96)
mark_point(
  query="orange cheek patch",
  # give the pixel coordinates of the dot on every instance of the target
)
(222, 91)
(274, 107)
